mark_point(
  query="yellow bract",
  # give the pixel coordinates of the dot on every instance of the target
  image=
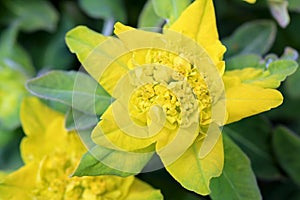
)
(51, 155)
(247, 99)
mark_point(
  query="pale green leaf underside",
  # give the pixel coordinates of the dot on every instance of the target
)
(74, 89)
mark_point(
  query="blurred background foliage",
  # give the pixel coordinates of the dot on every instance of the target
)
(32, 42)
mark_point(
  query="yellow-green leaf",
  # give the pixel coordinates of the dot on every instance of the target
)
(194, 173)
(140, 190)
(82, 40)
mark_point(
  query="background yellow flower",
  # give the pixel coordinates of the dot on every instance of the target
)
(51, 154)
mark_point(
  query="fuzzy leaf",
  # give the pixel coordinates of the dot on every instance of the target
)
(74, 89)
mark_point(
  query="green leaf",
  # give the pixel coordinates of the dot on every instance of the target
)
(20, 61)
(77, 120)
(279, 10)
(12, 54)
(74, 89)
(148, 18)
(170, 9)
(104, 9)
(8, 39)
(253, 37)
(237, 180)
(294, 5)
(56, 47)
(33, 14)
(5, 137)
(104, 161)
(256, 144)
(286, 146)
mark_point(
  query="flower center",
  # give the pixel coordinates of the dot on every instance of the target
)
(174, 84)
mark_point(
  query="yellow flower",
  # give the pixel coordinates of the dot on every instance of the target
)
(51, 154)
(170, 93)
